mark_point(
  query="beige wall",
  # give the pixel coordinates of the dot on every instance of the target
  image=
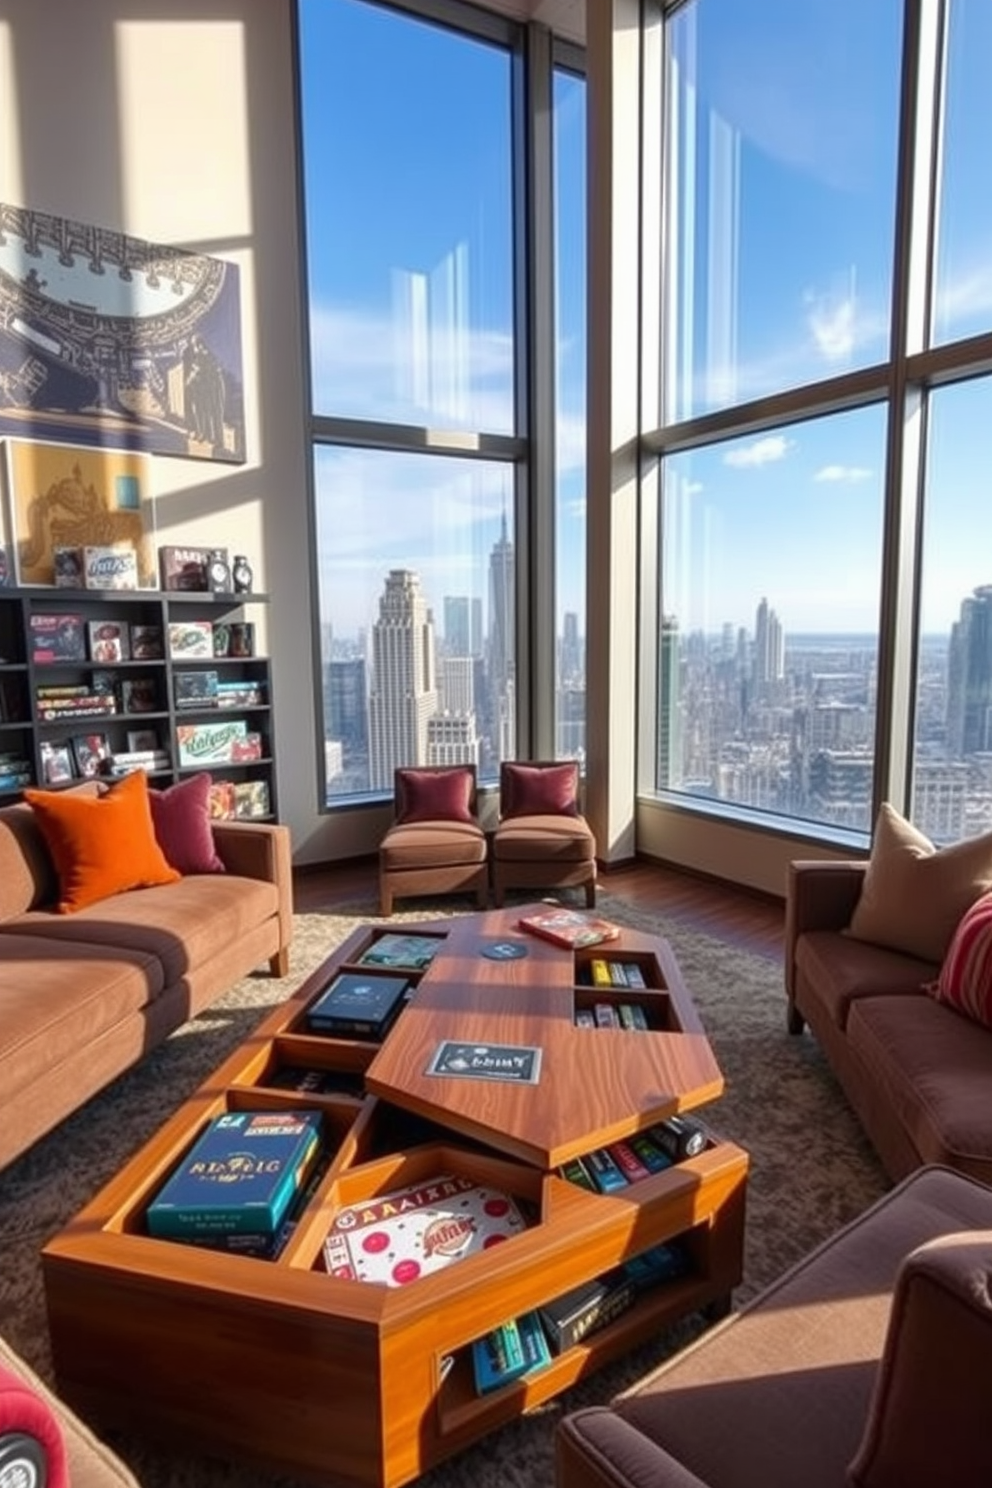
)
(175, 123)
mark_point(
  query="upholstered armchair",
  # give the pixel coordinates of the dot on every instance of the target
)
(865, 1366)
(435, 844)
(542, 840)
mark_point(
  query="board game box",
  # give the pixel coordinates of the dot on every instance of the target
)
(393, 949)
(397, 1237)
(569, 927)
(357, 1004)
(240, 1176)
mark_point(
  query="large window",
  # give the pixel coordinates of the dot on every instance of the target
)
(415, 143)
(406, 141)
(823, 616)
(768, 645)
(780, 142)
(570, 411)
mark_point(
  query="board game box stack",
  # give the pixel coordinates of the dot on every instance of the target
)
(238, 1180)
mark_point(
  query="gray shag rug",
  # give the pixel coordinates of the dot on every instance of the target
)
(811, 1170)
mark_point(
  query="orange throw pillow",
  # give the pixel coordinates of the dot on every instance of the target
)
(101, 845)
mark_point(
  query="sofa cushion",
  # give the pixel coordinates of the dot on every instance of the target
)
(182, 924)
(544, 839)
(101, 845)
(424, 795)
(914, 895)
(965, 980)
(183, 830)
(840, 969)
(932, 1069)
(539, 790)
(432, 845)
(27, 873)
(58, 995)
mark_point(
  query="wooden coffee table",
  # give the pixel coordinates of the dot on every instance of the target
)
(277, 1361)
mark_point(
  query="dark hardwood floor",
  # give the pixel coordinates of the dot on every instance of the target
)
(738, 916)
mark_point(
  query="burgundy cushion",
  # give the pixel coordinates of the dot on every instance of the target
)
(181, 818)
(434, 795)
(539, 790)
(965, 981)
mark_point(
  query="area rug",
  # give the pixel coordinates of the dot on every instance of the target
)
(811, 1170)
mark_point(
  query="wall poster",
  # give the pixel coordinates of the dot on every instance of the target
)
(110, 340)
(68, 496)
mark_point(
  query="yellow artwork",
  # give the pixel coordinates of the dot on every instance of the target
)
(64, 496)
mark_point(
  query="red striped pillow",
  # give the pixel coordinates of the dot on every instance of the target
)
(965, 981)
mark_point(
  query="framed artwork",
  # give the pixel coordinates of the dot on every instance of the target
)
(62, 495)
(106, 339)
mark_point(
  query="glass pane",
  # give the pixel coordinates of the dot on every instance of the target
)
(781, 135)
(963, 295)
(407, 175)
(570, 429)
(416, 586)
(769, 638)
(952, 777)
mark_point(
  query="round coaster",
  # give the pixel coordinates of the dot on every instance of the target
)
(504, 950)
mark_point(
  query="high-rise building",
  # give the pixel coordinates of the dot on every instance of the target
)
(502, 646)
(670, 712)
(453, 739)
(403, 697)
(570, 668)
(457, 684)
(969, 677)
(769, 647)
(346, 705)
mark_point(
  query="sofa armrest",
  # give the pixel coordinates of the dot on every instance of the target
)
(819, 895)
(928, 1421)
(596, 1448)
(261, 850)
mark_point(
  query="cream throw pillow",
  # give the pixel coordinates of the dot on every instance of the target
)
(914, 895)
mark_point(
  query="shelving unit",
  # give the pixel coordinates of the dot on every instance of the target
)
(26, 731)
(372, 1384)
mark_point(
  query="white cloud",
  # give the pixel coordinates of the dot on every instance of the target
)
(762, 452)
(833, 326)
(849, 473)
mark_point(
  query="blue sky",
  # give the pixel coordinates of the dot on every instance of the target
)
(792, 117)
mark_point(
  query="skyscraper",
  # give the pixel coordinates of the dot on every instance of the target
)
(969, 677)
(502, 646)
(403, 697)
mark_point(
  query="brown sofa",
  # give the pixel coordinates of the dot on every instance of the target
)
(864, 1366)
(89, 1462)
(83, 996)
(918, 1074)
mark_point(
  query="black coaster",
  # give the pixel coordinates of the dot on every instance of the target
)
(504, 950)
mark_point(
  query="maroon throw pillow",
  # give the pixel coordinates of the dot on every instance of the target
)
(434, 795)
(540, 790)
(181, 818)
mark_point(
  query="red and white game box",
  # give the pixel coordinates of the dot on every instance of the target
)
(398, 1237)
